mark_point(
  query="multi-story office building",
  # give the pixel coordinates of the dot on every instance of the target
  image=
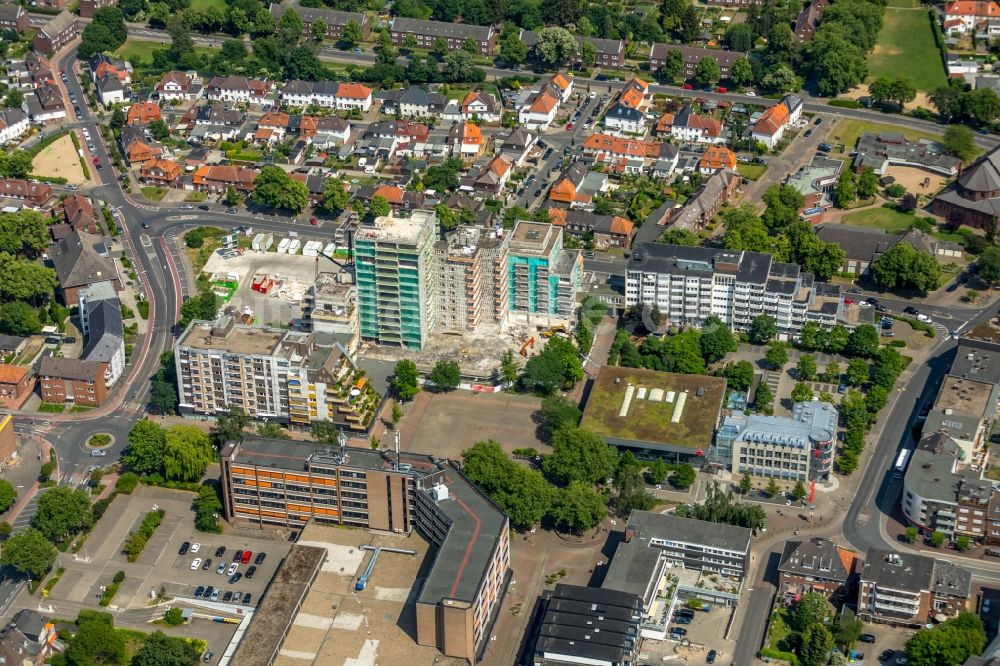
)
(690, 284)
(543, 277)
(283, 483)
(906, 589)
(795, 449)
(471, 286)
(270, 373)
(394, 265)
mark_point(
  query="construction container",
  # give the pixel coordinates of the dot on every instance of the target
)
(283, 246)
(330, 249)
(312, 249)
(294, 246)
(262, 242)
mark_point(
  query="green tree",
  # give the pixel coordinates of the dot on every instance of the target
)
(812, 609)
(351, 34)
(446, 375)
(740, 37)
(762, 398)
(911, 534)
(62, 512)
(557, 412)
(274, 188)
(960, 142)
(981, 105)
(232, 197)
(29, 552)
(806, 367)
(522, 493)
(632, 495)
(963, 543)
(186, 454)
(799, 491)
(513, 50)
(989, 265)
(96, 643)
(832, 373)
(801, 392)
(230, 426)
(273, 430)
(588, 53)
(949, 643)
(763, 328)
(867, 183)
(555, 46)
(161, 650)
(741, 73)
(19, 318)
(378, 207)
(673, 65)
(658, 471)
(707, 71)
(106, 32)
(863, 341)
(25, 280)
(738, 374)
(290, 28)
(318, 30)
(901, 266)
(846, 628)
(846, 190)
(777, 355)
(677, 236)
(404, 380)
(683, 477)
(508, 367)
(14, 98)
(857, 372)
(579, 455)
(716, 340)
(772, 489)
(578, 507)
(937, 539)
(816, 645)
(7, 495)
(446, 217)
(207, 508)
(557, 365)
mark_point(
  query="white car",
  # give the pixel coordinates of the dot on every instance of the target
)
(232, 568)
(85, 132)
(751, 93)
(195, 547)
(924, 318)
(187, 207)
(195, 564)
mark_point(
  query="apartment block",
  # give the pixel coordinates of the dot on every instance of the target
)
(269, 482)
(55, 34)
(542, 276)
(816, 565)
(906, 589)
(72, 380)
(799, 448)
(690, 284)
(331, 306)
(270, 373)
(455, 34)
(394, 268)
(471, 286)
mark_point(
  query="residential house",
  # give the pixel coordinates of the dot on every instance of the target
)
(624, 155)
(327, 94)
(538, 109)
(816, 565)
(89, 7)
(910, 590)
(79, 214)
(702, 207)
(770, 127)
(179, 86)
(16, 384)
(34, 195)
(974, 198)
(137, 146)
(398, 198)
(862, 246)
(493, 176)
(101, 65)
(481, 105)
(627, 114)
(106, 338)
(466, 140)
(412, 102)
(219, 179)
(605, 230)
(143, 113)
(39, 68)
(111, 90)
(455, 34)
(607, 52)
(958, 68)
(967, 16)
(160, 172)
(81, 259)
(483, 216)
(13, 17)
(55, 34)
(237, 89)
(715, 158)
(577, 186)
(13, 124)
(46, 105)
(29, 638)
(517, 146)
(12, 345)
(734, 3)
(808, 20)
(334, 20)
(687, 126)
(72, 380)
(214, 115)
(327, 131)
(692, 55)
(816, 181)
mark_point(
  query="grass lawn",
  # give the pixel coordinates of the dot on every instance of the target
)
(905, 4)
(196, 197)
(154, 193)
(138, 52)
(848, 131)
(79, 409)
(906, 48)
(779, 630)
(51, 408)
(751, 171)
(887, 219)
(202, 5)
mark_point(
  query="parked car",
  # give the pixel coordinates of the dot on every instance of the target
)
(246, 598)
(227, 597)
(247, 554)
(187, 207)
(221, 569)
(215, 596)
(952, 287)
(98, 453)
(198, 591)
(682, 620)
(231, 211)
(195, 547)
(232, 568)
(818, 121)
(208, 592)
(207, 564)
(196, 564)
(886, 655)
(204, 207)
(808, 133)
(237, 556)
(924, 318)
(250, 572)
(710, 657)
(208, 656)
(679, 630)
(910, 310)
(235, 578)
(866, 638)
(220, 551)
(260, 558)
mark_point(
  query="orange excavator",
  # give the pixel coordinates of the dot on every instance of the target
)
(528, 344)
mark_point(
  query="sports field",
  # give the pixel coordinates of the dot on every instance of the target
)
(906, 48)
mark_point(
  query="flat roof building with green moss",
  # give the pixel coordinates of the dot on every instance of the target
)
(656, 414)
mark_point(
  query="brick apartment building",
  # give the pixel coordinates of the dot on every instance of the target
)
(55, 34)
(72, 380)
(427, 33)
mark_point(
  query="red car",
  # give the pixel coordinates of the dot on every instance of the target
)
(687, 86)
(313, 221)
(247, 554)
(721, 89)
(569, 126)
(97, 161)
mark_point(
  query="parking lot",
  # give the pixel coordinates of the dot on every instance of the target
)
(888, 647)
(218, 570)
(703, 631)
